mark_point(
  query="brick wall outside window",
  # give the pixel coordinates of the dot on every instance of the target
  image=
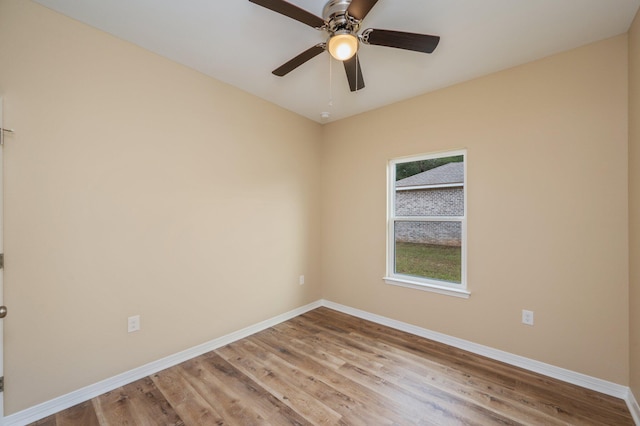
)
(430, 202)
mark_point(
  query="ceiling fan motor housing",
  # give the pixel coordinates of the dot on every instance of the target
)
(337, 19)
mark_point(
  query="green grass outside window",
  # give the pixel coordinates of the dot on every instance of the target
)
(429, 261)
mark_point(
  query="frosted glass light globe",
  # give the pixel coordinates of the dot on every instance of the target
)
(343, 46)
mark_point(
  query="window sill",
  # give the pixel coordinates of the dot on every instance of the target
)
(428, 287)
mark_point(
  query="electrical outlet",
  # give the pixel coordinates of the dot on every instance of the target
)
(301, 279)
(527, 317)
(133, 323)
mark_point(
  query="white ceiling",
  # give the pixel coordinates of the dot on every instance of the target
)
(240, 43)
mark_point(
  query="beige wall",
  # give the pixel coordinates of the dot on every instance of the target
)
(137, 186)
(547, 208)
(634, 203)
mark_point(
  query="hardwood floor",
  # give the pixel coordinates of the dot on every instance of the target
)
(326, 367)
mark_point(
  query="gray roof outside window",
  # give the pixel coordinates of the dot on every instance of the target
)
(450, 173)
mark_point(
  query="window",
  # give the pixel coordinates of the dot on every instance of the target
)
(426, 242)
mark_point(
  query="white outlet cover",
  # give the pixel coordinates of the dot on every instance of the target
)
(133, 323)
(527, 317)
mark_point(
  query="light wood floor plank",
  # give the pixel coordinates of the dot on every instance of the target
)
(114, 408)
(149, 406)
(224, 400)
(326, 367)
(260, 366)
(192, 408)
(81, 414)
(266, 405)
(353, 402)
(314, 363)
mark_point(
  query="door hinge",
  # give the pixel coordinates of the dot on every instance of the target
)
(2, 384)
(2, 132)
(1, 260)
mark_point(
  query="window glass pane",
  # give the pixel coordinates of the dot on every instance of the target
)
(433, 187)
(430, 202)
(429, 249)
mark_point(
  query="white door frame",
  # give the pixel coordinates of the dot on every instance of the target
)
(3, 133)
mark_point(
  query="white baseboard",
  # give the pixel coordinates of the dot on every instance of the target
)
(632, 403)
(45, 409)
(572, 377)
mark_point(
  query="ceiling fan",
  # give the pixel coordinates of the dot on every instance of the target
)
(341, 19)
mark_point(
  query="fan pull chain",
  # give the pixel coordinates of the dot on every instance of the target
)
(324, 116)
(330, 82)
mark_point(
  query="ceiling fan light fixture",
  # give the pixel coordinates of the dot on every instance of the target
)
(343, 45)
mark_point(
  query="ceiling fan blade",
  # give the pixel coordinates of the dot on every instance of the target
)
(360, 8)
(401, 40)
(299, 60)
(354, 73)
(292, 11)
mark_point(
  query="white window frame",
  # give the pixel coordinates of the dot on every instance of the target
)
(419, 283)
